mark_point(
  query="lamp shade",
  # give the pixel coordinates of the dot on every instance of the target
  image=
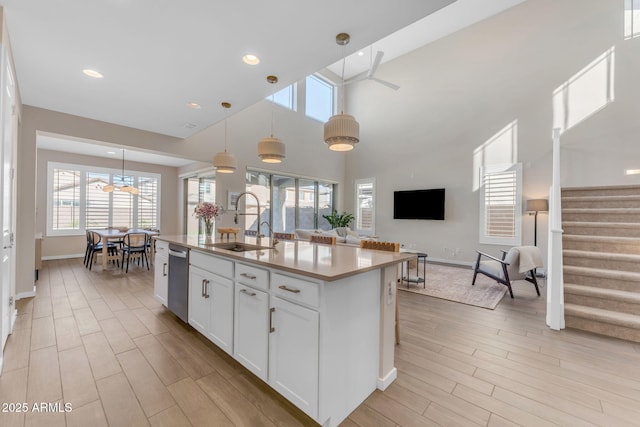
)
(538, 205)
(341, 132)
(271, 150)
(225, 162)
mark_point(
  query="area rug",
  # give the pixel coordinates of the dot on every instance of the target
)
(454, 284)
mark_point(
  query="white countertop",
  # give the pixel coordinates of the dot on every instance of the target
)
(320, 261)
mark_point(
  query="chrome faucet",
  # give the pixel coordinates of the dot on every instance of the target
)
(235, 218)
(274, 241)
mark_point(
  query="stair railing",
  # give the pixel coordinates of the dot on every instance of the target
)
(555, 280)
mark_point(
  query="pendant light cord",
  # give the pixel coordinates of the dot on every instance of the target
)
(344, 61)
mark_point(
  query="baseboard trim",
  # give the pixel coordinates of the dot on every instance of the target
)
(26, 294)
(54, 257)
(385, 382)
(453, 263)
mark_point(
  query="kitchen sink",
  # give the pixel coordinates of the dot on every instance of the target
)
(236, 246)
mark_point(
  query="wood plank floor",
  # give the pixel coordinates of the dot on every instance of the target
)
(100, 341)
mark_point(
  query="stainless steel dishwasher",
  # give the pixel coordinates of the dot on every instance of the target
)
(178, 293)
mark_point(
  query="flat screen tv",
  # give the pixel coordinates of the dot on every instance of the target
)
(419, 204)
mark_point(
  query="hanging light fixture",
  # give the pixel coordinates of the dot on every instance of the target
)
(271, 149)
(342, 131)
(125, 188)
(225, 162)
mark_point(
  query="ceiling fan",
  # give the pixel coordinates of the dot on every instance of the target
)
(370, 75)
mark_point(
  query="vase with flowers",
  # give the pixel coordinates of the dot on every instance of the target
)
(207, 212)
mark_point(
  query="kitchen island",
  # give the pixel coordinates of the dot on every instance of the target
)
(315, 322)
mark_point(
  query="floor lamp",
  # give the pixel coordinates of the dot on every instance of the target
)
(535, 206)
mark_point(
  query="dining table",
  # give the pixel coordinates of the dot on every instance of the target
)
(107, 234)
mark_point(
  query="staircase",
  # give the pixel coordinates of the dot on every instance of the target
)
(601, 255)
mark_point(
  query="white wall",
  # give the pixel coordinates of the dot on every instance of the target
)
(458, 92)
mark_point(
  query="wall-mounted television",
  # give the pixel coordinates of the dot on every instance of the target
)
(419, 204)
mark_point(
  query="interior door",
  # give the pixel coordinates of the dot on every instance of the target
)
(7, 275)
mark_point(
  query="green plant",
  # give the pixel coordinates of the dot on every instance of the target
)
(339, 220)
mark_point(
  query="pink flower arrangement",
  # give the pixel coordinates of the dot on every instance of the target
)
(207, 211)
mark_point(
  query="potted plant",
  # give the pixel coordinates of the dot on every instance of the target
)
(339, 220)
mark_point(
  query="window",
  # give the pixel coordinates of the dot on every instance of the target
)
(365, 207)
(320, 98)
(198, 189)
(288, 202)
(76, 200)
(500, 204)
(285, 97)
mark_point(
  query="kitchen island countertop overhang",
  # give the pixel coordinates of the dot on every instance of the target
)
(319, 261)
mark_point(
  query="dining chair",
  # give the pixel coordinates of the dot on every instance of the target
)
(389, 247)
(284, 236)
(94, 246)
(136, 245)
(318, 238)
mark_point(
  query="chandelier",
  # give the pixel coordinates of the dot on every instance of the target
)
(125, 188)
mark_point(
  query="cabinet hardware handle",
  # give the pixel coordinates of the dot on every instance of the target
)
(164, 269)
(248, 276)
(284, 288)
(206, 289)
(251, 294)
(271, 311)
(202, 288)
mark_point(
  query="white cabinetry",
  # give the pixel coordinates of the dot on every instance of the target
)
(251, 319)
(211, 303)
(251, 332)
(161, 271)
(317, 343)
(293, 354)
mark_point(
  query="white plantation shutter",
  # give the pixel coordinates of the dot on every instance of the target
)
(75, 200)
(500, 205)
(97, 201)
(122, 203)
(365, 207)
(65, 199)
(148, 202)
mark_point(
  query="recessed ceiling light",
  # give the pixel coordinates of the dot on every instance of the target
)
(251, 59)
(194, 105)
(189, 125)
(92, 73)
(632, 172)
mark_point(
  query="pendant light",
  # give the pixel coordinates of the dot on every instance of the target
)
(342, 131)
(225, 162)
(124, 188)
(271, 149)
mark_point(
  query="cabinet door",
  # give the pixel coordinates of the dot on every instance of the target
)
(251, 329)
(199, 305)
(161, 278)
(220, 293)
(293, 354)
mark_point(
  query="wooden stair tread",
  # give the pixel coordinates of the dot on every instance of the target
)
(602, 187)
(614, 198)
(608, 239)
(601, 224)
(606, 316)
(603, 273)
(609, 256)
(611, 294)
(629, 211)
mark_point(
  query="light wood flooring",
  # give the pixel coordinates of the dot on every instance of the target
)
(100, 341)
